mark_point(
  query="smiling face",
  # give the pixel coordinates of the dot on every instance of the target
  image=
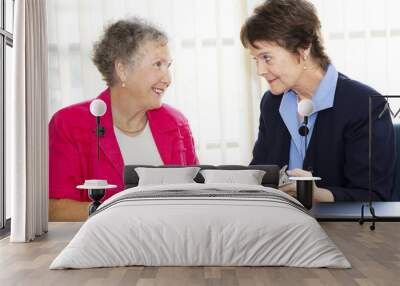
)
(148, 77)
(281, 68)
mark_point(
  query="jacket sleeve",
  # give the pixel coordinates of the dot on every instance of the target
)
(259, 152)
(65, 170)
(188, 141)
(356, 167)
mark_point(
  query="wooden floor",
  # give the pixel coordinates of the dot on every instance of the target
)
(375, 257)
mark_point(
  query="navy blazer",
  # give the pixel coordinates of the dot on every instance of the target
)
(338, 149)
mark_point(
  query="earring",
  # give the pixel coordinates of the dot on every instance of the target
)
(123, 84)
(304, 58)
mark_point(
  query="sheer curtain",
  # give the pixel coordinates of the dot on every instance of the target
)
(210, 69)
(362, 38)
(214, 83)
(26, 114)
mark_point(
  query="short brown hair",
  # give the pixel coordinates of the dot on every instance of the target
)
(122, 40)
(292, 24)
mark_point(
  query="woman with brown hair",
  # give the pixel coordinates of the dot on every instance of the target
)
(285, 40)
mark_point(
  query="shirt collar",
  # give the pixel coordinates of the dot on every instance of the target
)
(322, 99)
(324, 95)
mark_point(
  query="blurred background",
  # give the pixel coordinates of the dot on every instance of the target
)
(214, 79)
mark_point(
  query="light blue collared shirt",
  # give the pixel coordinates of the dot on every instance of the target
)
(322, 99)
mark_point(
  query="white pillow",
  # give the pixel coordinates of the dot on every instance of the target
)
(248, 177)
(166, 176)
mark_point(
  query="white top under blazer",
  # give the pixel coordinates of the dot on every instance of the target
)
(140, 149)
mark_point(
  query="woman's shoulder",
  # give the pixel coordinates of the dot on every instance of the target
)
(353, 88)
(80, 112)
(77, 113)
(352, 97)
(167, 114)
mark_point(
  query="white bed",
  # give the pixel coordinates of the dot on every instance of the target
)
(201, 224)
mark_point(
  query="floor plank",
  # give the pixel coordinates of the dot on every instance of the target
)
(374, 255)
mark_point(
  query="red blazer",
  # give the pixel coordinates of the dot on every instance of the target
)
(73, 147)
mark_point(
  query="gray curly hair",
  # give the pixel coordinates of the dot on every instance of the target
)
(122, 40)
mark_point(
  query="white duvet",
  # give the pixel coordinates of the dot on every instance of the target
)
(207, 230)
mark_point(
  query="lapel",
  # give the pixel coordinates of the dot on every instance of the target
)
(279, 148)
(308, 163)
(288, 112)
(320, 134)
(283, 140)
(165, 131)
(164, 128)
(108, 143)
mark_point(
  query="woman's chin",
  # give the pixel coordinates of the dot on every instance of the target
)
(276, 90)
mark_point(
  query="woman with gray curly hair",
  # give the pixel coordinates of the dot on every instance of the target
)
(134, 60)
